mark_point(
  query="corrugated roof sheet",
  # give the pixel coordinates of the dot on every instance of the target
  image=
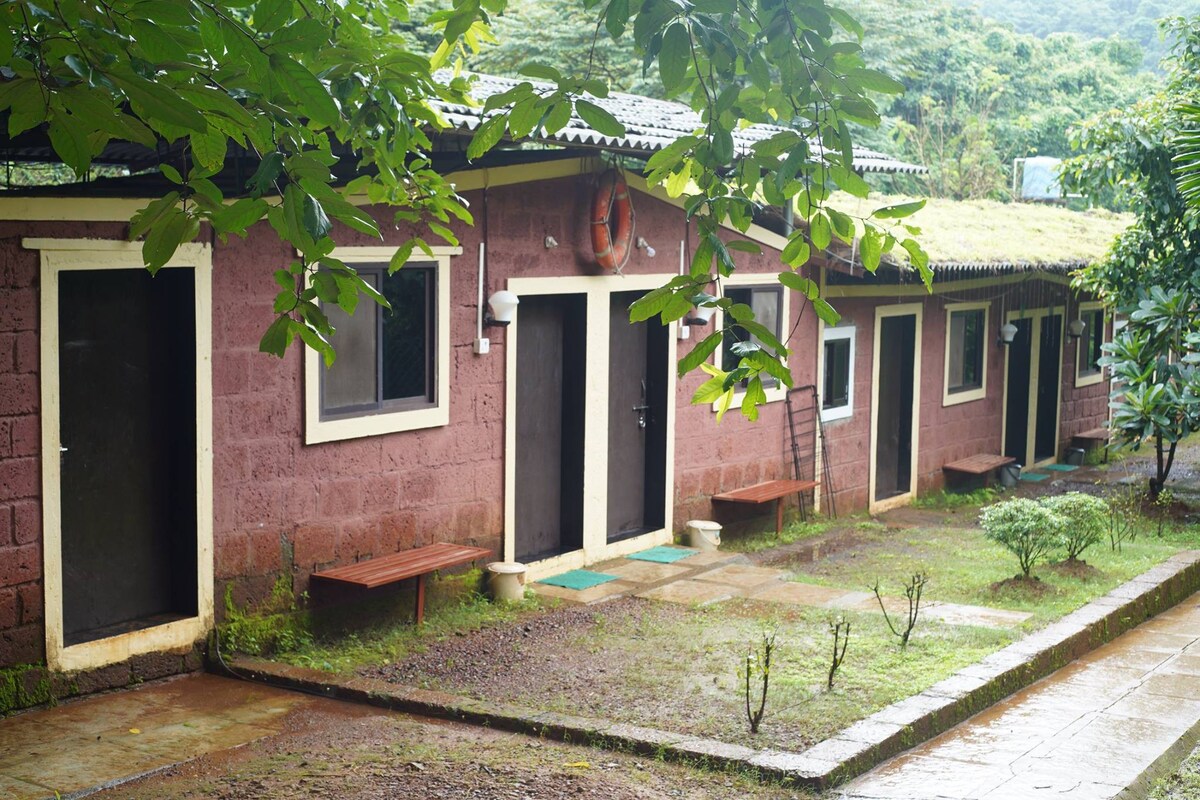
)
(650, 124)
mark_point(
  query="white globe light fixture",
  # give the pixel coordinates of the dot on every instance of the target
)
(502, 307)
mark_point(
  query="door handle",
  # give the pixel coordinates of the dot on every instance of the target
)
(641, 410)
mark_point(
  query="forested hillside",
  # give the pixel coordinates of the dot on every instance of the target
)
(978, 94)
(1097, 19)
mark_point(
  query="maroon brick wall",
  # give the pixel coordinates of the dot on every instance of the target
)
(951, 432)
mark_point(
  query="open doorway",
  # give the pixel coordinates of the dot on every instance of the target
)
(894, 412)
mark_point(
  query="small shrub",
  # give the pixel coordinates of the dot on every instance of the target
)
(839, 629)
(912, 590)
(1123, 509)
(1162, 509)
(1024, 528)
(758, 663)
(1084, 520)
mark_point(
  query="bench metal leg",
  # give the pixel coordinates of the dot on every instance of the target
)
(778, 517)
(419, 614)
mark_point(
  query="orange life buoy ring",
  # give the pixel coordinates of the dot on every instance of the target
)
(612, 221)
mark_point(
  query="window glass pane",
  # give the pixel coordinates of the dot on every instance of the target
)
(350, 382)
(407, 333)
(765, 303)
(837, 374)
(733, 335)
(1093, 335)
(966, 350)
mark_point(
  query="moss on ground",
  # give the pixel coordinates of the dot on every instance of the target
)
(23, 686)
(1183, 784)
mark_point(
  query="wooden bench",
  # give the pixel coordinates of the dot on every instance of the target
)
(767, 491)
(983, 464)
(376, 572)
(1096, 437)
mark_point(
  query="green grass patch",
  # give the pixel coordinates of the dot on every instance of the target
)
(944, 499)
(758, 540)
(345, 642)
(963, 566)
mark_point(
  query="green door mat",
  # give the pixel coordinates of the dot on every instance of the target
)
(664, 554)
(1061, 467)
(1034, 476)
(578, 579)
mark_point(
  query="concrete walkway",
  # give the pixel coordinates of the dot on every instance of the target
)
(98, 740)
(1107, 723)
(705, 578)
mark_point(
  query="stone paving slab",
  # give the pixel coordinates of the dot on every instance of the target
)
(647, 571)
(595, 594)
(710, 558)
(690, 592)
(102, 739)
(742, 576)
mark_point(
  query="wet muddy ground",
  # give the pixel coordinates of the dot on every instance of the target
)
(374, 754)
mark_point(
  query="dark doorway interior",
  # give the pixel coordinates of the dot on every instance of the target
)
(637, 422)
(894, 396)
(551, 360)
(127, 378)
(1045, 437)
(1016, 415)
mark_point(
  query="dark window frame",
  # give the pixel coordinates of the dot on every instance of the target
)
(1091, 342)
(979, 359)
(382, 405)
(845, 343)
(731, 335)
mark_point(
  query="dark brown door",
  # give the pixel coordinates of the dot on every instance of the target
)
(637, 406)
(551, 356)
(1016, 414)
(1045, 436)
(127, 378)
(894, 396)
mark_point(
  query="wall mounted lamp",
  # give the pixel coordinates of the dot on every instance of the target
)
(701, 314)
(1008, 332)
(1076, 328)
(502, 307)
(642, 244)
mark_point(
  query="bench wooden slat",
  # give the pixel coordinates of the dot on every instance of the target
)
(1094, 435)
(376, 572)
(765, 492)
(980, 464)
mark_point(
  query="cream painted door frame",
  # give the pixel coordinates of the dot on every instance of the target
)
(916, 310)
(597, 291)
(62, 255)
(1036, 317)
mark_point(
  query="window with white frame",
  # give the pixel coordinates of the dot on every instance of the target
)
(966, 362)
(391, 370)
(837, 368)
(767, 304)
(1088, 352)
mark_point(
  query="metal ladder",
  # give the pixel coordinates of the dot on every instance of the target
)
(806, 430)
